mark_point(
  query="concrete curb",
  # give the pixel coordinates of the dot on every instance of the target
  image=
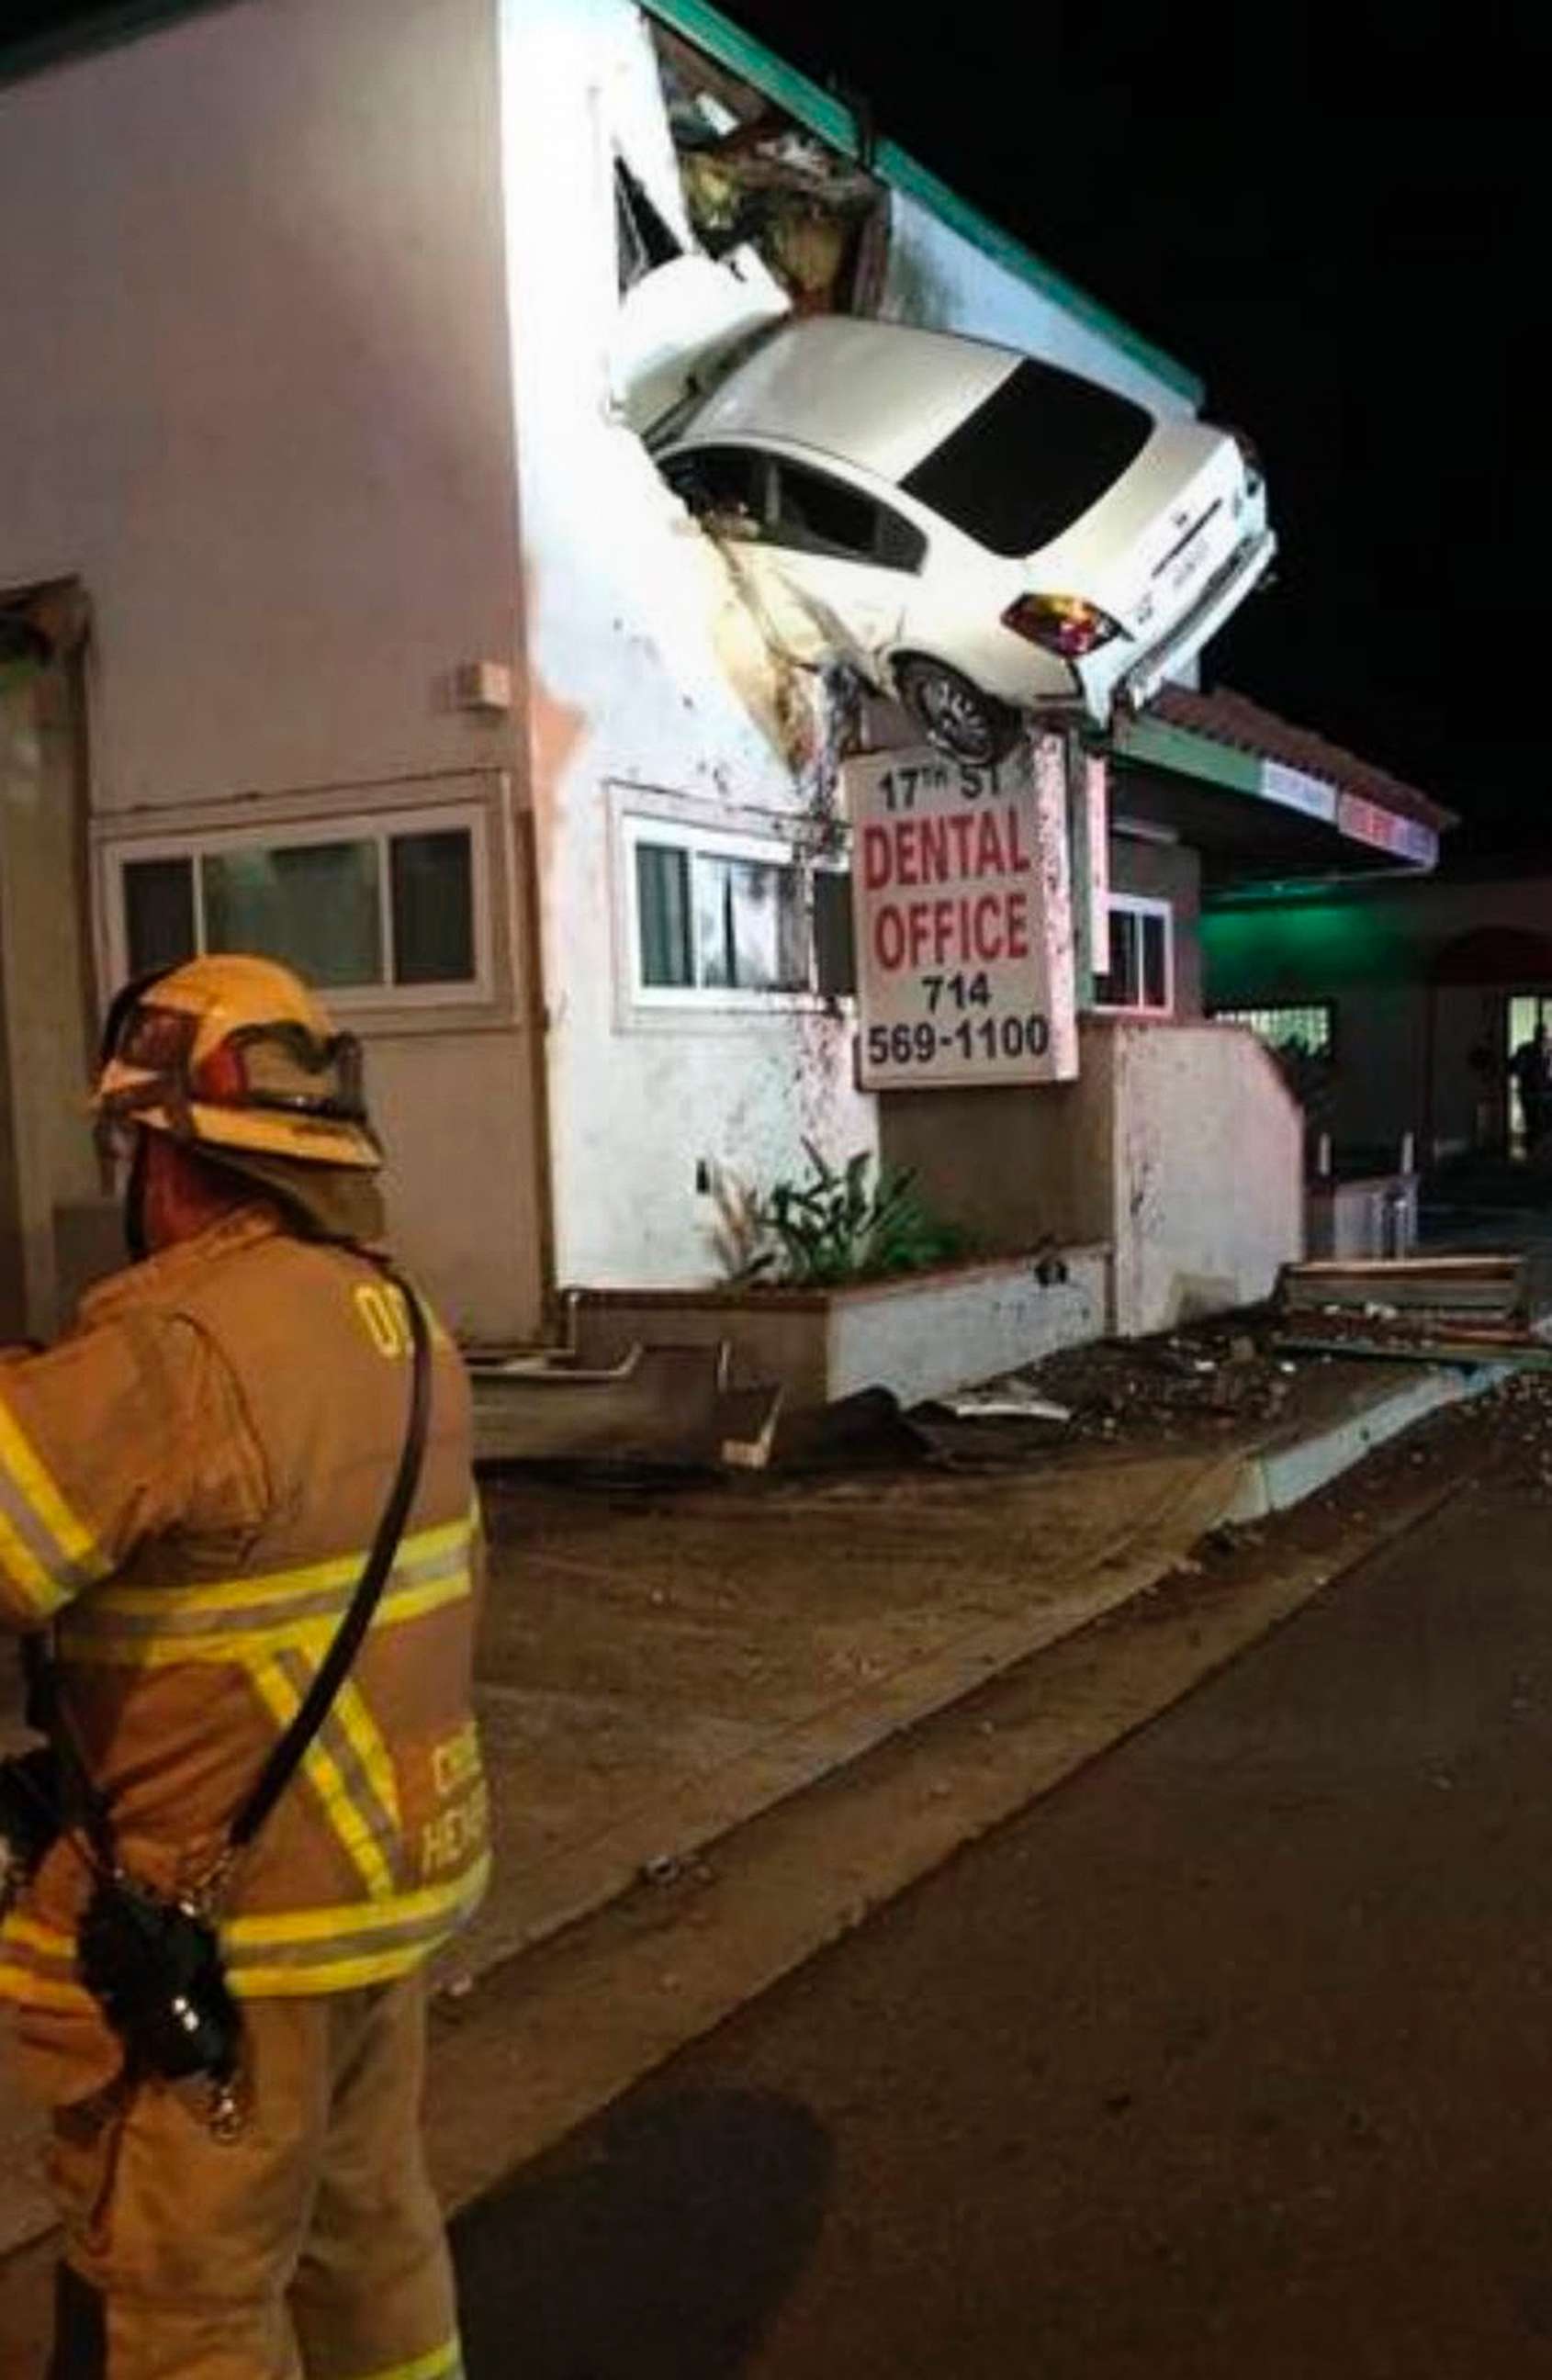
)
(1283, 1472)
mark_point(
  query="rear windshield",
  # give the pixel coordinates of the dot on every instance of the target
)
(1028, 462)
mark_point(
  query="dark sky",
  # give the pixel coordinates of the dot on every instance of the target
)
(1339, 220)
(1337, 217)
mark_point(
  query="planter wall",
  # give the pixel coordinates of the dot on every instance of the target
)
(922, 1335)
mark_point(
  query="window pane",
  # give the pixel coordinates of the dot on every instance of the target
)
(1031, 459)
(315, 905)
(834, 932)
(822, 516)
(1118, 988)
(1156, 973)
(899, 544)
(662, 902)
(433, 907)
(159, 913)
(748, 926)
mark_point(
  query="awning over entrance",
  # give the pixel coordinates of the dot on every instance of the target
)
(1266, 804)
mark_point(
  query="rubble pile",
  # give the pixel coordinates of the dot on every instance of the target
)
(1204, 1379)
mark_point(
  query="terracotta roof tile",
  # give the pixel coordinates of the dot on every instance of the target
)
(1230, 718)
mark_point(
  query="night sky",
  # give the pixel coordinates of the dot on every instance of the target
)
(1336, 217)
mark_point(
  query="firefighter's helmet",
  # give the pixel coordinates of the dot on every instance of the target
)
(232, 1054)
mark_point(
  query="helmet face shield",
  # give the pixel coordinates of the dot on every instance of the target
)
(282, 1067)
(232, 1052)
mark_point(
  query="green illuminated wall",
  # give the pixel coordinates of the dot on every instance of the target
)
(1310, 949)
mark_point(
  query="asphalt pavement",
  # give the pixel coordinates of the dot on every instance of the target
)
(1233, 2055)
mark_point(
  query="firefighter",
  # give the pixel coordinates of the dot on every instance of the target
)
(190, 1483)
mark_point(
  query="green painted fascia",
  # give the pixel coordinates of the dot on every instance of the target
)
(1185, 753)
(749, 59)
(833, 120)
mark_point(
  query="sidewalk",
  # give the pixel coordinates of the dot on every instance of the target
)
(660, 1664)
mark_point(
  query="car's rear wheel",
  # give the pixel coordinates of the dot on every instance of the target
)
(954, 712)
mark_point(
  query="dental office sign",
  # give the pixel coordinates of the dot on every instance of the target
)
(963, 919)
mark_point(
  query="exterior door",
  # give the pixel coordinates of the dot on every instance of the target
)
(50, 1183)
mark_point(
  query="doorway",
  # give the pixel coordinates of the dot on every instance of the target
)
(47, 1164)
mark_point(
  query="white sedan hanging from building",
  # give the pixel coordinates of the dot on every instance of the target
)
(976, 532)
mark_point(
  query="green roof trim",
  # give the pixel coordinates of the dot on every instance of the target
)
(833, 120)
(1185, 754)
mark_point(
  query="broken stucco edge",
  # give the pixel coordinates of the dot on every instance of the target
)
(822, 113)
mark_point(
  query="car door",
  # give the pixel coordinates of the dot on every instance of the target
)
(849, 558)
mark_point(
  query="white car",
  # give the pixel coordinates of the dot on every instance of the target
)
(976, 532)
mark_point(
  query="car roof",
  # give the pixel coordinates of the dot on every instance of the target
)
(882, 395)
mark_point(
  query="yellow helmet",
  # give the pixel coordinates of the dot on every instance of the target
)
(232, 1052)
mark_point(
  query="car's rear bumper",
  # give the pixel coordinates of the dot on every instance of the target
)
(1222, 595)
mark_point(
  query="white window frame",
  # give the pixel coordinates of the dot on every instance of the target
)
(380, 828)
(638, 827)
(1137, 905)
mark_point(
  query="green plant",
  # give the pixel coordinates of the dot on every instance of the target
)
(841, 1225)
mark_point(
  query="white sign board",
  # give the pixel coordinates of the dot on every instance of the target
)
(1387, 830)
(963, 919)
(1296, 790)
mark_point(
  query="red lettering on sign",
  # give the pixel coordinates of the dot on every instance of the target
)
(905, 870)
(874, 858)
(956, 930)
(933, 833)
(988, 846)
(1020, 861)
(986, 941)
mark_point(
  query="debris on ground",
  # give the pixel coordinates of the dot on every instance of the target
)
(1494, 1287)
(1420, 1309)
(664, 1407)
(1012, 1399)
(1205, 1377)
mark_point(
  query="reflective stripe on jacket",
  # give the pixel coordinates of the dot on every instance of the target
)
(189, 1483)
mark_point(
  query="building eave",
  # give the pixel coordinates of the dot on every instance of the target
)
(1375, 818)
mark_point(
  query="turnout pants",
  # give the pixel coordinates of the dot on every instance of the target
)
(309, 2249)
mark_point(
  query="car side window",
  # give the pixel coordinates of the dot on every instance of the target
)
(725, 484)
(816, 515)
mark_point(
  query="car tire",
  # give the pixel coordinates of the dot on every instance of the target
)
(954, 712)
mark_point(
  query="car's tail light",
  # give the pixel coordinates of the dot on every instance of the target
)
(1063, 624)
